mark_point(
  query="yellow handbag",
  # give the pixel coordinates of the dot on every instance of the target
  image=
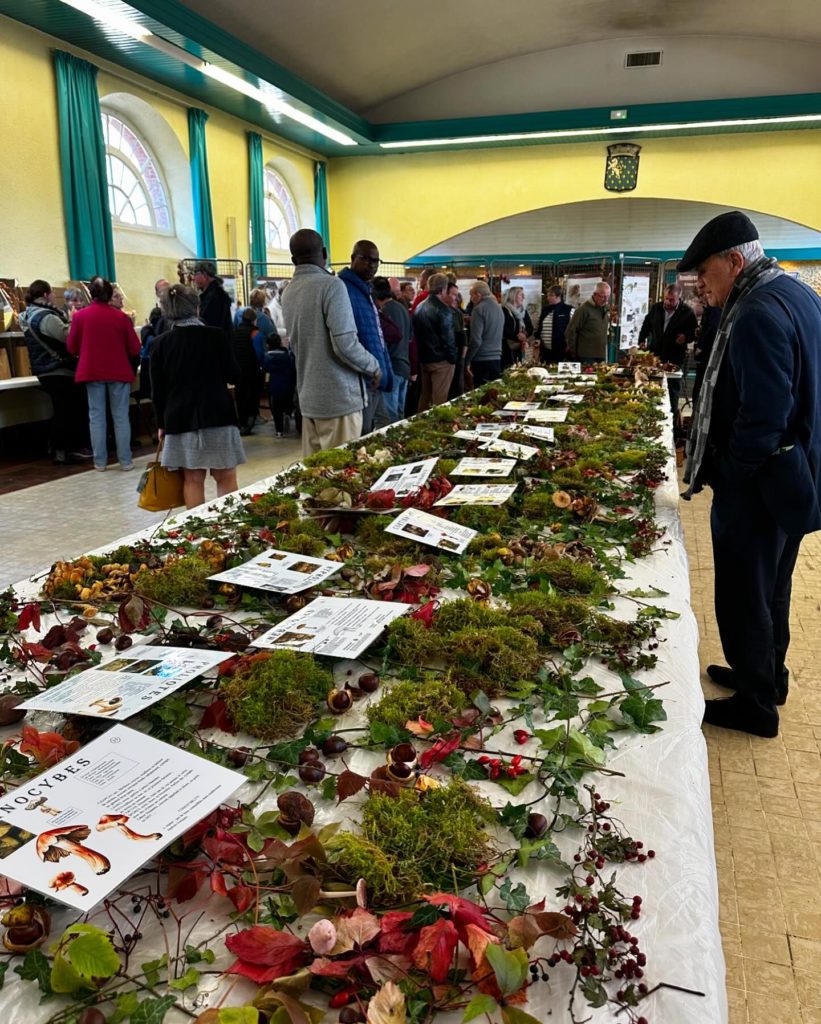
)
(160, 489)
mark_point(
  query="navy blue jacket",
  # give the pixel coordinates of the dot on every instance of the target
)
(367, 324)
(281, 369)
(765, 428)
(561, 313)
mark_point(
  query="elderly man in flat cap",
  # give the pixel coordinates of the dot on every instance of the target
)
(756, 440)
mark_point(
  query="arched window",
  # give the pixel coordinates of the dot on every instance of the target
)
(136, 193)
(280, 213)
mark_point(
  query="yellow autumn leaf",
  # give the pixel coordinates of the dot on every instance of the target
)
(387, 1006)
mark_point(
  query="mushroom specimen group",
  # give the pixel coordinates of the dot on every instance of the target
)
(66, 880)
(118, 821)
(66, 841)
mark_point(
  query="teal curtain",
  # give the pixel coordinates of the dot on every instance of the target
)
(256, 192)
(89, 235)
(198, 156)
(321, 204)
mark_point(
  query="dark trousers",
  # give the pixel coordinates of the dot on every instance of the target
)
(457, 385)
(247, 393)
(485, 371)
(280, 406)
(674, 388)
(69, 424)
(754, 561)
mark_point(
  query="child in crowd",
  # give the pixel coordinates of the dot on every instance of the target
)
(280, 366)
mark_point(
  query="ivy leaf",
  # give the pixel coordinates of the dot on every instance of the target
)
(478, 1005)
(35, 967)
(195, 956)
(153, 1011)
(513, 1015)
(152, 969)
(514, 817)
(516, 897)
(382, 733)
(509, 966)
(540, 849)
(642, 713)
(3, 968)
(126, 1004)
(93, 955)
(515, 785)
(327, 789)
(188, 980)
(633, 685)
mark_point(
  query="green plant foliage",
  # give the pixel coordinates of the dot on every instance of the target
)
(181, 581)
(433, 697)
(572, 577)
(332, 458)
(277, 696)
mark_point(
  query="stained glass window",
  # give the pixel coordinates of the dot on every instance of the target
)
(136, 193)
(280, 213)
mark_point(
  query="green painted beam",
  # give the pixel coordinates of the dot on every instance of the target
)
(811, 254)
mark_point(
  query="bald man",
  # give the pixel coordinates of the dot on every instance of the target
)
(333, 370)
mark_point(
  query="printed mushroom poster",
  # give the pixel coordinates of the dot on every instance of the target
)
(83, 827)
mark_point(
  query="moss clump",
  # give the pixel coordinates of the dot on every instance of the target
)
(333, 458)
(181, 581)
(275, 696)
(410, 643)
(467, 614)
(483, 517)
(415, 841)
(433, 698)
(495, 659)
(302, 543)
(572, 577)
(275, 505)
(540, 506)
(554, 612)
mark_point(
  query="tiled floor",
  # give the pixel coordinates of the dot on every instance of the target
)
(767, 811)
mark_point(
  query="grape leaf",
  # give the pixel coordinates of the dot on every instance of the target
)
(127, 1003)
(93, 956)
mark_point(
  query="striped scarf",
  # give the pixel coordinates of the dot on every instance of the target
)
(761, 272)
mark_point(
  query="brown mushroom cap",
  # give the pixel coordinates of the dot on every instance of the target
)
(46, 841)
(111, 821)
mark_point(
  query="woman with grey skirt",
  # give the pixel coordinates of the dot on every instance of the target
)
(191, 368)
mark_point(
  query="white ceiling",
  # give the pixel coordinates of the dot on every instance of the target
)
(629, 225)
(434, 59)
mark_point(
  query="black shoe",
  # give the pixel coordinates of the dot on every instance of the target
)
(721, 675)
(741, 714)
(66, 459)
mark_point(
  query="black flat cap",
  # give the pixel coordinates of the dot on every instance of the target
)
(718, 234)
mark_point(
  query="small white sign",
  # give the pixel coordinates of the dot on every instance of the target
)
(483, 467)
(414, 524)
(406, 478)
(477, 494)
(280, 571)
(511, 449)
(569, 369)
(547, 434)
(128, 683)
(546, 416)
(339, 627)
(521, 406)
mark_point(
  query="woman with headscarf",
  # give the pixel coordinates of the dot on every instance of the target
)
(518, 326)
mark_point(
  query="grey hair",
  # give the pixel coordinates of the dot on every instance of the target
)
(437, 283)
(481, 288)
(751, 251)
(179, 302)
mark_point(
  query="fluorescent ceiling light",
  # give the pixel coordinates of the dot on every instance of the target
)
(268, 99)
(110, 18)
(571, 133)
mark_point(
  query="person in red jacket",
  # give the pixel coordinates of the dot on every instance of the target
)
(106, 343)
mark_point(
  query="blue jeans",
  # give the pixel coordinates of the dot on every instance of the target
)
(118, 398)
(392, 406)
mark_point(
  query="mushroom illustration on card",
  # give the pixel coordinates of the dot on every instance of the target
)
(107, 705)
(44, 808)
(67, 881)
(119, 821)
(66, 841)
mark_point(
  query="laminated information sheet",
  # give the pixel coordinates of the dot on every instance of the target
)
(520, 406)
(488, 430)
(339, 627)
(511, 448)
(414, 524)
(477, 494)
(131, 682)
(547, 434)
(282, 571)
(405, 479)
(483, 467)
(82, 828)
(569, 369)
(546, 416)
(566, 398)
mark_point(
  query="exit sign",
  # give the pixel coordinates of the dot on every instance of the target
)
(618, 115)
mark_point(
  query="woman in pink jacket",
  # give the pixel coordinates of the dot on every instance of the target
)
(105, 341)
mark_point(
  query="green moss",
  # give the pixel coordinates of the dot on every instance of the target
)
(555, 612)
(276, 696)
(446, 466)
(332, 458)
(433, 697)
(415, 841)
(465, 613)
(482, 517)
(302, 543)
(572, 577)
(494, 660)
(276, 506)
(540, 506)
(181, 582)
(410, 643)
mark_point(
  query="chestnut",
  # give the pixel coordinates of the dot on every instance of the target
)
(312, 772)
(536, 826)
(369, 682)
(294, 811)
(403, 752)
(122, 643)
(105, 635)
(309, 755)
(400, 772)
(339, 701)
(10, 711)
(334, 745)
(239, 756)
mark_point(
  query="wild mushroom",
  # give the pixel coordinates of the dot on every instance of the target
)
(66, 880)
(118, 821)
(360, 892)
(65, 841)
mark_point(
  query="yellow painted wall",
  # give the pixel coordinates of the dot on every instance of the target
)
(408, 202)
(31, 207)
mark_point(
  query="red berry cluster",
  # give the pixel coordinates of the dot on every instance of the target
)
(496, 766)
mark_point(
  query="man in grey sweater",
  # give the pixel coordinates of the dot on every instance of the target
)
(484, 356)
(586, 334)
(330, 361)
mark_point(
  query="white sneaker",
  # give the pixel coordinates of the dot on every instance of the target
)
(279, 433)
(128, 468)
(100, 469)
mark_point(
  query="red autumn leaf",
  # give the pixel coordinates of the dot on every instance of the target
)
(348, 784)
(30, 616)
(242, 896)
(395, 937)
(47, 748)
(133, 614)
(462, 911)
(380, 499)
(55, 636)
(326, 968)
(225, 847)
(434, 951)
(186, 879)
(218, 883)
(35, 652)
(417, 571)
(265, 954)
(425, 614)
(216, 716)
(418, 726)
(440, 750)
